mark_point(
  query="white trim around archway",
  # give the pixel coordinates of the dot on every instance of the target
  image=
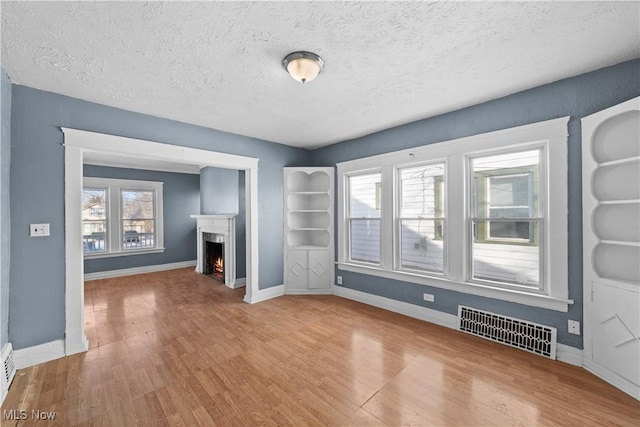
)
(77, 142)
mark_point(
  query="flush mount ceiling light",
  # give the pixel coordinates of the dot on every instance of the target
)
(303, 66)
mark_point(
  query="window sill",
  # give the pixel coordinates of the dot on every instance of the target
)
(123, 253)
(520, 297)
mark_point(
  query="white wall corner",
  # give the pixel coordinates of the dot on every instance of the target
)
(265, 294)
(78, 345)
(29, 356)
(240, 282)
(571, 355)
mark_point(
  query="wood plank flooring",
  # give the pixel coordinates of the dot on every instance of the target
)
(178, 349)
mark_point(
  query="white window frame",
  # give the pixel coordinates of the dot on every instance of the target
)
(114, 188)
(542, 198)
(551, 135)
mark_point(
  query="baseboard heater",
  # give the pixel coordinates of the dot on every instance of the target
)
(528, 336)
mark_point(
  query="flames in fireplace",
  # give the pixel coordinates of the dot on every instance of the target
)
(214, 260)
(218, 267)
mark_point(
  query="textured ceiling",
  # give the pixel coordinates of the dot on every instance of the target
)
(218, 64)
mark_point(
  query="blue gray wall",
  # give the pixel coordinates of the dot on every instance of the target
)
(576, 97)
(37, 196)
(5, 217)
(181, 198)
(219, 191)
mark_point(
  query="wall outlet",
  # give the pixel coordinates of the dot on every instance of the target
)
(39, 230)
(339, 280)
(428, 297)
(574, 327)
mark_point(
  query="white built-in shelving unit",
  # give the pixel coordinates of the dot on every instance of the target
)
(308, 228)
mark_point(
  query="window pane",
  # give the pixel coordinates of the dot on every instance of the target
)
(138, 219)
(137, 204)
(138, 234)
(507, 262)
(365, 196)
(365, 240)
(94, 220)
(422, 245)
(506, 185)
(421, 190)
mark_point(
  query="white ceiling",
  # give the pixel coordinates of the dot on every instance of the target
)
(218, 64)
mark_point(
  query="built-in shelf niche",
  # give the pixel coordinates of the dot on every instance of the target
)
(308, 238)
(301, 181)
(309, 220)
(304, 202)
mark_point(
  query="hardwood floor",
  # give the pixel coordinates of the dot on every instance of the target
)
(176, 348)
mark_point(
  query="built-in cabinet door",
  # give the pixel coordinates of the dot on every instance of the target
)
(319, 269)
(297, 270)
(309, 269)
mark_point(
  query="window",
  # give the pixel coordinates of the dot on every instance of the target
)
(421, 217)
(364, 217)
(121, 217)
(506, 218)
(474, 215)
(94, 220)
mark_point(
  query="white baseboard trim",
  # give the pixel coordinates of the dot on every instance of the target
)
(308, 292)
(40, 353)
(4, 384)
(75, 345)
(138, 270)
(612, 378)
(411, 310)
(571, 355)
(239, 283)
(265, 294)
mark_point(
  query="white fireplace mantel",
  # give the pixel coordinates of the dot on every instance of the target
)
(225, 225)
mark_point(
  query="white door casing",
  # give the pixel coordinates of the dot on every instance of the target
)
(611, 244)
(76, 143)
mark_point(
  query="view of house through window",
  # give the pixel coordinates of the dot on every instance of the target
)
(121, 216)
(364, 217)
(94, 219)
(138, 215)
(421, 217)
(506, 218)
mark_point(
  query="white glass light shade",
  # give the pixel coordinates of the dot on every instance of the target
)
(303, 66)
(303, 70)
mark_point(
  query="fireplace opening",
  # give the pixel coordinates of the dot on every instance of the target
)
(214, 256)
